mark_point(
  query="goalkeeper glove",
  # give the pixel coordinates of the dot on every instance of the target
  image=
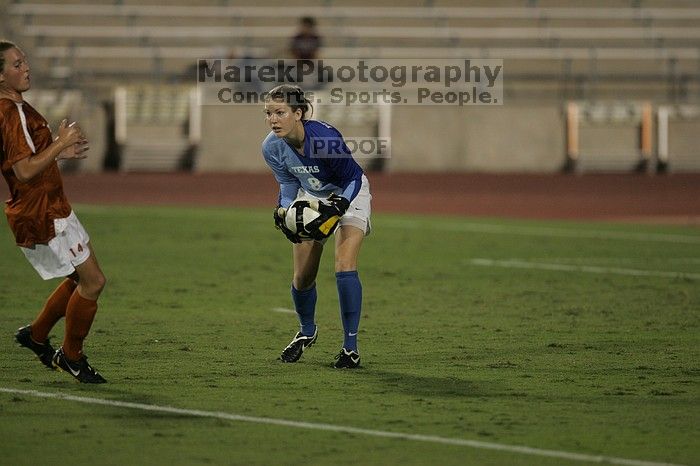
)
(339, 203)
(331, 209)
(279, 214)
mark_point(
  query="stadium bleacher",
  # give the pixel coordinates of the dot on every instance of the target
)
(553, 50)
(143, 37)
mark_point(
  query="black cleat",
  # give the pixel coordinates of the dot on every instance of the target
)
(293, 351)
(347, 359)
(79, 369)
(43, 351)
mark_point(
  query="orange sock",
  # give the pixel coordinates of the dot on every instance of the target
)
(79, 316)
(53, 311)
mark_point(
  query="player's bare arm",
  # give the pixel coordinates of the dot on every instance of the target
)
(70, 143)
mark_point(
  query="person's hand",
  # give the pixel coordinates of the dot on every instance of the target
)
(334, 205)
(74, 142)
(331, 209)
(279, 213)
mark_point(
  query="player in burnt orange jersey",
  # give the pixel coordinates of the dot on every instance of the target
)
(44, 225)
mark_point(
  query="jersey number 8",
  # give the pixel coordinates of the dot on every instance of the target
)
(315, 183)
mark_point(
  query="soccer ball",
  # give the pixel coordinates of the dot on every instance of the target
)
(300, 216)
(303, 218)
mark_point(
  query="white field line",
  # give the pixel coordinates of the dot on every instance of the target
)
(336, 428)
(518, 264)
(606, 259)
(545, 231)
(283, 310)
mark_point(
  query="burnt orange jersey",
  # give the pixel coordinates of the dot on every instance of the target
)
(34, 204)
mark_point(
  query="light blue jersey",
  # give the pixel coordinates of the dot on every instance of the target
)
(325, 168)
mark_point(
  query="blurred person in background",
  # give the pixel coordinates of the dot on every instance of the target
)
(306, 42)
(305, 46)
(43, 223)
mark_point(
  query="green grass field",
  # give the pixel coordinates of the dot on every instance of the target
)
(575, 337)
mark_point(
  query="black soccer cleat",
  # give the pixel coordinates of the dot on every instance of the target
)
(294, 350)
(79, 369)
(43, 351)
(347, 359)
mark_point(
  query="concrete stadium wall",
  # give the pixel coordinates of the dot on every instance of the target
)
(516, 138)
(684, 144)
(512, 138)
(93, 121)
(231, 139)
(609, 147)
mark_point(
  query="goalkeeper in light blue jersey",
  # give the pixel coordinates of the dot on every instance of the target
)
(310, 160)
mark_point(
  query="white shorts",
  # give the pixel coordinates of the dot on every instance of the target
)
(67, 250)
(360, 210)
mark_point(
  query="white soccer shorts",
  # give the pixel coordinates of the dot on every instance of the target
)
(360, 210)
(67, 250)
